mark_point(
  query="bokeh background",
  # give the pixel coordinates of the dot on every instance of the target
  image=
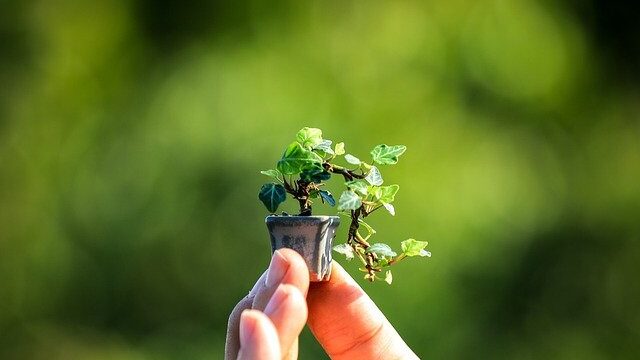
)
(132, 134)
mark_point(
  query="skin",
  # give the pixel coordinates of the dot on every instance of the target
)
(265, 325)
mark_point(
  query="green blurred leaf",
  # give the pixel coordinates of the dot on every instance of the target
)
(339, 149)
(388, 277)
(386, 155)
(344, 249)
(296, 158)
(359, 186)
(412, 247)
(349, 201)
(352, 159)
(374, 177)
(390, 208)
(272, 195)
(309, 138)
(273, 173)
(382, 250)
(327, 197)
(386, 194)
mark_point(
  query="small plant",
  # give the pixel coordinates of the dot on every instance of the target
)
(305, 166)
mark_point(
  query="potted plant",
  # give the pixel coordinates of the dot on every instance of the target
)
(305, 166)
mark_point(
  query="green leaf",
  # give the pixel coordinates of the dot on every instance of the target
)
(386, 155)
(272, 195)
(296, 158)
(349, 201)
(382, 250)
(352, 159)
(374, 177)
(315, 174)
(327, 197)
(344, 249)
(386, 194)
(358, 186)
(390, 208)
(412, 247)
(339, 149)
(309, 138)
(273, 174)
(388, 277)
(325, 147)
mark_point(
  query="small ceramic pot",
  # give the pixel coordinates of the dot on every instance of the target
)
(311, 236)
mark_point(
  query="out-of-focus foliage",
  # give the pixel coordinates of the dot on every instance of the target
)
(132, 134)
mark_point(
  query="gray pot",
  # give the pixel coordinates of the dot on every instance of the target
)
(311, 236)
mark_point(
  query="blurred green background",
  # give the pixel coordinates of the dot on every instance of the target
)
(132, 134)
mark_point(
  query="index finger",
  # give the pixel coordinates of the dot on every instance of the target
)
(348, 324)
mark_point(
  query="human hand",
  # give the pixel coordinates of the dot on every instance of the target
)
(266, 324)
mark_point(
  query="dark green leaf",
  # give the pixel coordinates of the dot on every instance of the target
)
(315, 174)
(327, 197)
(385, 154)
(272, 195)
(309, 138)
(296, 158)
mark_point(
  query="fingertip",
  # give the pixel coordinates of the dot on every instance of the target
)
(287, 309)
(297, 265)
(258, 337)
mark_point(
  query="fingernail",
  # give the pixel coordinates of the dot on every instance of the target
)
(277, 269)
(247, 327)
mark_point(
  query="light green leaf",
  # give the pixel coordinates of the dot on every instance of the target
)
(339, 149)
(385, 154)
(352, 159)
(388, 277)
(349, 201)
(386, 194)
(390, 208)
(272, 173)
(358, 186)
(272, 195)
(325, 147)
(382, 250)
(374, 177)
(309, 138)
(367, 226)
(296, 158)
(412, 247)
(344, 249)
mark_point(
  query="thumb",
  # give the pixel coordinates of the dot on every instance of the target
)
(348, 324)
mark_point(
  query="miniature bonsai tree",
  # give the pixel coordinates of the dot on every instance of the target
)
(305, 166)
